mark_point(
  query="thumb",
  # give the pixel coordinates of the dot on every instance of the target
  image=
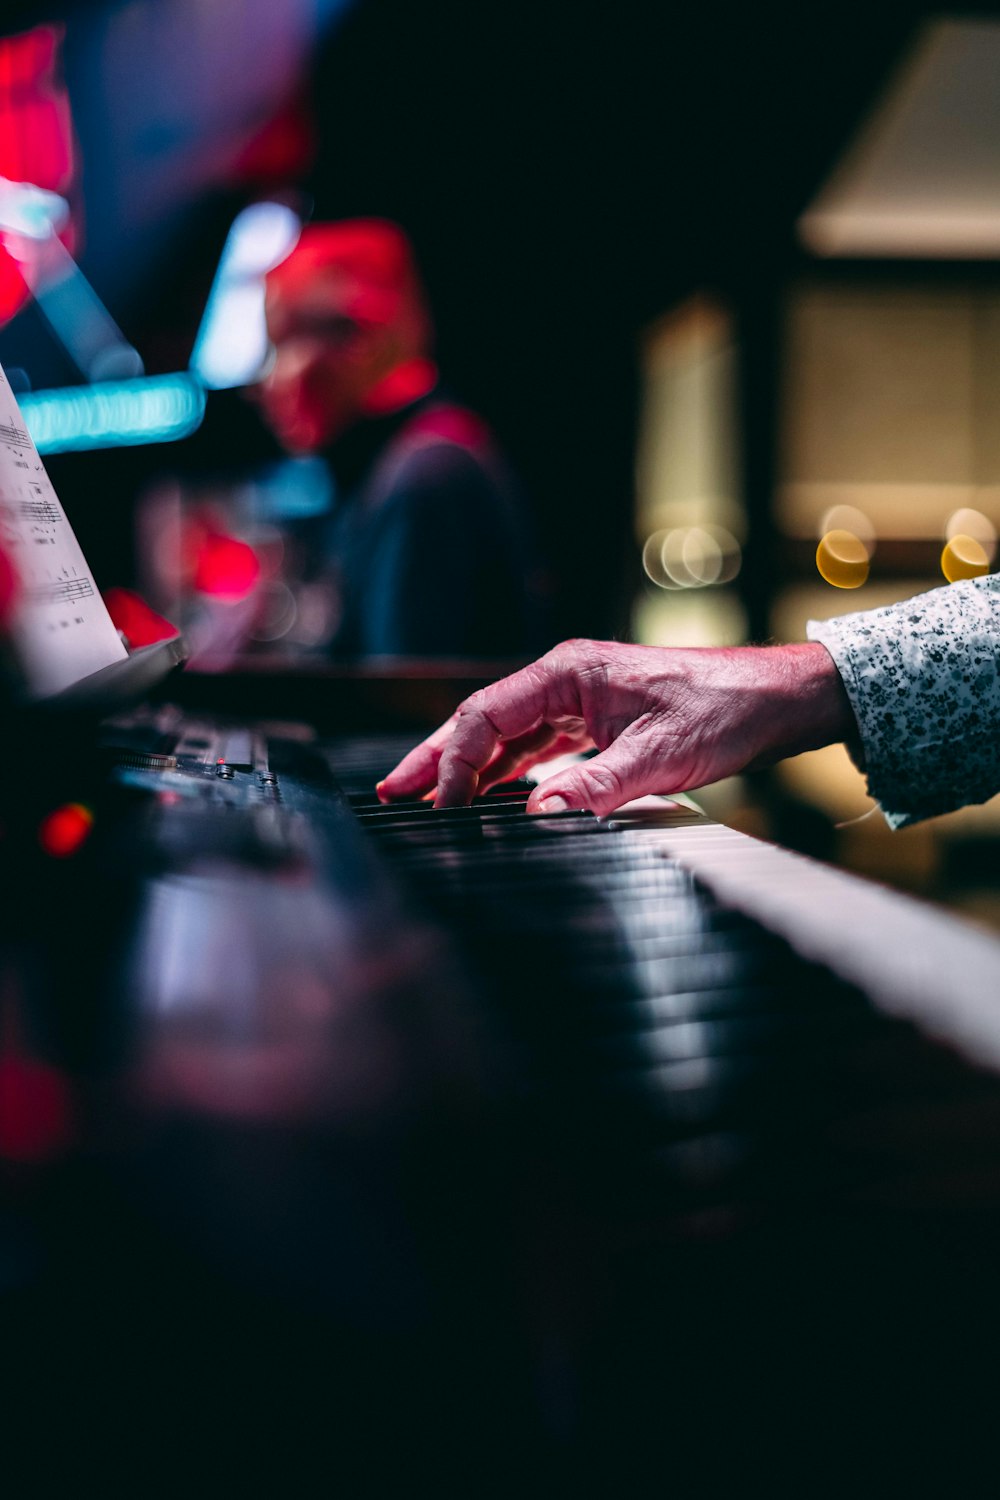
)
(617, 775)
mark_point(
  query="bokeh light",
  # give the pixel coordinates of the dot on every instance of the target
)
(964, 557)
(968, 522)
(35, 1109)
(842, 559)
(276, 612)
(691, 557)
(226, 567)
(652, 560)
(65, 830)
(849, 518)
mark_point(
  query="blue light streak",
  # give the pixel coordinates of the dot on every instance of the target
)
(232, 343)
(114, 414)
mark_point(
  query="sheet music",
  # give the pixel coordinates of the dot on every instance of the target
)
(61, 630)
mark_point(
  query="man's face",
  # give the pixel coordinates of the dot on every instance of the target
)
(325, 362)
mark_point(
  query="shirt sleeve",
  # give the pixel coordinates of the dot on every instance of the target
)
(923, 679)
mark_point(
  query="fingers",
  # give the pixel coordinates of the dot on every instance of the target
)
(455, 757)
(465, 755)
(522, 754)
(628, 768)
(518, 755)
(510, 708)
(417, 771)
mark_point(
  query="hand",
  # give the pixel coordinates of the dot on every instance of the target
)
(664, 720)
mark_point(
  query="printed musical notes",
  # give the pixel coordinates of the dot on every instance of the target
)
(61, 630)
(15, 434)
(63, 591)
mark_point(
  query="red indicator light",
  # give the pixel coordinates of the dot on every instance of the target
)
(65, 830)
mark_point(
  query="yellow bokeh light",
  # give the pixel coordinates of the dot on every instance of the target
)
(849, 518)
(967, 522)
(842, 559)
(964, 557)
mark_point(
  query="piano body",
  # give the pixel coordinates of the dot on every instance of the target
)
(383, 1147)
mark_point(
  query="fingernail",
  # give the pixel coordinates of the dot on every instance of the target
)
(553, 804)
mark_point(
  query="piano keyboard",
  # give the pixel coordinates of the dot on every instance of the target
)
(771, 1090)
(719, 999)
(509, 1153)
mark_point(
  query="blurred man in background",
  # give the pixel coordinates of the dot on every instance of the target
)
(427, 544)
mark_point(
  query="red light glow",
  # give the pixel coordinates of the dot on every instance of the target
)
(65, 830)
(35, 1112)
(36, 135)
(282, 149)
(407, 382)
(455, 424)
(226, 567)
(9, 585)
(140, 625)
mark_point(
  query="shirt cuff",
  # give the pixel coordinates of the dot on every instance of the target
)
(922, 679)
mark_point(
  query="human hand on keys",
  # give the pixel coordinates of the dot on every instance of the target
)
(664, 720)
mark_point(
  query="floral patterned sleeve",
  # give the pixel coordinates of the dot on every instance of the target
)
(923, 678)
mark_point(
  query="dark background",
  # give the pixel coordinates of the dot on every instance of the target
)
(567, 173)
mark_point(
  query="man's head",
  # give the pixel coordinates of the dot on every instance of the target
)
(350, 329)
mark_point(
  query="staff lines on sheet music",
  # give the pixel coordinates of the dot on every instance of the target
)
(40, 511)
(63, 590)
(14, 436)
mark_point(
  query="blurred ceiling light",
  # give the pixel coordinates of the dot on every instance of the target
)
(842, 560)
(963, 557)
(232, 344)
(849, 518)
(968, 522)
(921, 177)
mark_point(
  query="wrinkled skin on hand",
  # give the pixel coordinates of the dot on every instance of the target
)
(663, 719)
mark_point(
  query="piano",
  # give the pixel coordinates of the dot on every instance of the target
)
(388, 1147)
